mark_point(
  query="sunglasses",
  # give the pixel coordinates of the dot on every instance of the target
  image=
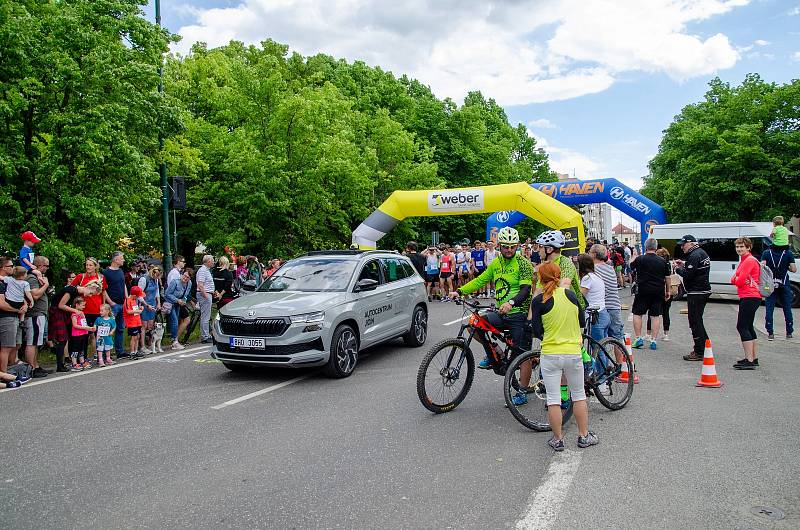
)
(508, 247)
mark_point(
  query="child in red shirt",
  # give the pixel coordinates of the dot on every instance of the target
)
(132, 309)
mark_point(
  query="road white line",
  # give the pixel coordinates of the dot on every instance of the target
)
(545, 502)
(261, 392)
(99, 370)
(459, 319)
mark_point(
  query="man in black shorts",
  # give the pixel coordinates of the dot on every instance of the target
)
(652, 272)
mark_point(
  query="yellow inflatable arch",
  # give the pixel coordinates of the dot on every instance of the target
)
(518, 196)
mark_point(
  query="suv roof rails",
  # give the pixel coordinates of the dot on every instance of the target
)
(346, 252)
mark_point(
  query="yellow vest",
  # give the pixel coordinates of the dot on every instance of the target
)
(562, 332)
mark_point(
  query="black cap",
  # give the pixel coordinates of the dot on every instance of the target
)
(688, 238)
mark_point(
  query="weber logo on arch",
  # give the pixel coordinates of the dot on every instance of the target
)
(455, 200)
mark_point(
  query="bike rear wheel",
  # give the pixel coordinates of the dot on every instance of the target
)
(532, 414)
(445, 375)
(609, 388)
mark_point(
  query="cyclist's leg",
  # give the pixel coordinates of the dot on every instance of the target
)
(515, 323)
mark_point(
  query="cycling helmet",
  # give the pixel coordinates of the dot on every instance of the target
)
(507, 236)
(552, 238)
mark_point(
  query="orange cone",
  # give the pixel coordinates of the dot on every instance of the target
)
(623, 377)
(709, 375)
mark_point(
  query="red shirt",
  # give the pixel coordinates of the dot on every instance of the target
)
(131, 320)
(747, 276)
(93, 302)
(446, 264)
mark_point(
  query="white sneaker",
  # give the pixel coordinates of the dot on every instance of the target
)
(177, 345)
(145, 351)
(604, 389)
(665, 338)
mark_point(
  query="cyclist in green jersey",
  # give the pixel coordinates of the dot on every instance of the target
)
(512, 275)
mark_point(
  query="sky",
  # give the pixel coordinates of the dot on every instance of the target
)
(595, 81)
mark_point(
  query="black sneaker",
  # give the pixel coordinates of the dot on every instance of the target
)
(771, 336)
(788, 335)
(39, 372)
(745, 365)
(123, 355)
(63, 369)
(744, 361)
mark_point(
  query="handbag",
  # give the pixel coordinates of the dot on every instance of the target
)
(166, 308)
(674, 284)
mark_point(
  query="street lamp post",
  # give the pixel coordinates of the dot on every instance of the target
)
(162, 170)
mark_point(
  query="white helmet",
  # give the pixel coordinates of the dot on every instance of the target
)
(507, 236)
(552, 238)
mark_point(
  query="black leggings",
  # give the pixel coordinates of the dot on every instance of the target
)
(747, 314)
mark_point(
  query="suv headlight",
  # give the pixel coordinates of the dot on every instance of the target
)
(319, 316)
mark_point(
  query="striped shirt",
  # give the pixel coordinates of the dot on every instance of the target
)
(606, 272)
(204, 277)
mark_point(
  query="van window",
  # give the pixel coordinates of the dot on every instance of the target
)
(720, 249)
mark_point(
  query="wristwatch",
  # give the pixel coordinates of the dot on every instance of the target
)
(511, 302)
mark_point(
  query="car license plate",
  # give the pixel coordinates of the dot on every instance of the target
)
(245, 342)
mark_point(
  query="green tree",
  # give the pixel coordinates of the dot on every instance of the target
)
(735, 155)
(80, 121)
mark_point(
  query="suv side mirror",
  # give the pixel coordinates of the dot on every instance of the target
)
(367, 284)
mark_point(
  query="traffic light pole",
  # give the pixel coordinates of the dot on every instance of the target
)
(166, 263)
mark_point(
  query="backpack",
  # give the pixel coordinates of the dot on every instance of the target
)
(766, 282)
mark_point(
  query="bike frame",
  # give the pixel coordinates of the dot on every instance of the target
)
(476, 322)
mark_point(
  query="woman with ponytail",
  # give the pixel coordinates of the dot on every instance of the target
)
(557, 322)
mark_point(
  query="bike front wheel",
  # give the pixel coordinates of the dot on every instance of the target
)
(612, 386)
(533, 413)
(445, 375)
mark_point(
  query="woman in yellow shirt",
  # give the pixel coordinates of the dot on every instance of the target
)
(557, 321)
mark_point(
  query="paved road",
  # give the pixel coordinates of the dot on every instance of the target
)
(152, 443)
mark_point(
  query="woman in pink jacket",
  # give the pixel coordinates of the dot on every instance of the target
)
(746, 279)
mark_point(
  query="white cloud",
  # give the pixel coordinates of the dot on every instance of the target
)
(794, 12)
(520, 52)
(568, 161)
(541, 123)
(796, 56)
(761, 42)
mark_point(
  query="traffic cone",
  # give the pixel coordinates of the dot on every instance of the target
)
(709, 375)
(624, 375)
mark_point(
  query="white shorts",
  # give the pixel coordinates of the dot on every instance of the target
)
(572, 367)
(35, 330)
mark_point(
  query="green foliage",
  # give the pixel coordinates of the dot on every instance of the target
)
(80, 120)
(281, 153)
(298, 151)
(733, 156)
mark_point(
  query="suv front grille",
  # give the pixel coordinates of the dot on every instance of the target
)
(289, 349)
(257, 327)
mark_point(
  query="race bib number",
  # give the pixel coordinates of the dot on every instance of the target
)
(83, 321)
(479, 264)
(135, 308)
(104, 331)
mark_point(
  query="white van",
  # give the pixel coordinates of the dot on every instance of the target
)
(717, 240)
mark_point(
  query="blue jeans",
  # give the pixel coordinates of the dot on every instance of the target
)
(173, 321)
(784, 294)
(119, 334)
(599, 331)
(617, 326)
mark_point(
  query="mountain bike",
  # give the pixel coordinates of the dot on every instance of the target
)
(603, 378)
(445, 375)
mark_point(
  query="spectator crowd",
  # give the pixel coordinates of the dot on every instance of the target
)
(85, 317)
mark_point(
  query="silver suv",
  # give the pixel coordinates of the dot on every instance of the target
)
(321, 309)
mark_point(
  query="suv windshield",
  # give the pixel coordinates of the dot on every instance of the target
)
(311, 275)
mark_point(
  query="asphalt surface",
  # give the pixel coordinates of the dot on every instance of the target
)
(151, 444)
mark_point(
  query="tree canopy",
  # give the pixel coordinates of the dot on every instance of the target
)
(281, 153)
(733, 156)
